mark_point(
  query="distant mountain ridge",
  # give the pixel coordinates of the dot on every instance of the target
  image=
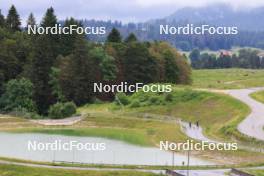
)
(249, 23)
(221, 14)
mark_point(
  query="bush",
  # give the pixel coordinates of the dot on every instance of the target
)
(122, 98)
(97, 101)
(135, 104)
(22, 112)
(154, 100)
(69, 109)
(18, 94)
(62, 110)
(168, 97)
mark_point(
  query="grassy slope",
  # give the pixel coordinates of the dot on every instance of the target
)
(259, 96)
(205, 107)
(131, 125)
(115, 126)
(11, 170)
(256, 172)
(228, 78)
(109, 121)
(106, 121)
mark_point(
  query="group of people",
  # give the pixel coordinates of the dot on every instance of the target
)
(197, 124)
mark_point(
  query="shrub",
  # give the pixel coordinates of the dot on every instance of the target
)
(97, 101)
(168, 97)
(122, 98)
(62, 110)
(18, 94)
(22, 112)
(154, 100)
(135, 104)
(69, 109)
(55, 111)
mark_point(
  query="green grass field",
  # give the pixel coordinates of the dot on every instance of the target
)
(12, 170)
(259, 96)
(256, 172)
(149, 118)
(154, 120)
(217, 123)
(114, 126)
(227, 78)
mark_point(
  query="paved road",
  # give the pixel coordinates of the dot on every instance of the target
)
(254, 123)
(194, 132)
(251, 126)
(217, 172)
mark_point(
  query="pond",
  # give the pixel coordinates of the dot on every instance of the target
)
(21, 146)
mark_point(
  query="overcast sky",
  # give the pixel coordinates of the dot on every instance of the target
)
(124, 10)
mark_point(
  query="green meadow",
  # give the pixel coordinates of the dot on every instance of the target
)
(259, 96)
(12, 170)
(227, 78)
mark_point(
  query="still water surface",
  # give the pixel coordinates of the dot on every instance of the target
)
(116, 152)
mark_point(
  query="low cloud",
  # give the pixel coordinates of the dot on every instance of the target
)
(125, 10)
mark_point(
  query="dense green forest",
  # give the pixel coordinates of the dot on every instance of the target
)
(246, 58)
(51, 74)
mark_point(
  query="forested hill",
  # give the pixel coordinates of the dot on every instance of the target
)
(50, 73)
(222, 14)
(251, 30)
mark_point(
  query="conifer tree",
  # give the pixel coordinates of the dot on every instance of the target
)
(139, 65)
(2, 20)
(31, 20)
(13, 21)
(77, 73)
(68, 40)
(49, 20)
(45, 51)
(131, 38)
(114, 36)
(171, 68)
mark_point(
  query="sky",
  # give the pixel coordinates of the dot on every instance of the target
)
(122, 10)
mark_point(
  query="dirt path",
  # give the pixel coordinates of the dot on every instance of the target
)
(64, 122)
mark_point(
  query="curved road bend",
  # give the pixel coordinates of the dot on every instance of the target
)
(253, 124)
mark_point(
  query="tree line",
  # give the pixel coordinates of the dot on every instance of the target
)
(246, 58)
(149, 31)
(45, 73)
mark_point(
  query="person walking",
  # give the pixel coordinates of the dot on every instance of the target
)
(197, 123)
